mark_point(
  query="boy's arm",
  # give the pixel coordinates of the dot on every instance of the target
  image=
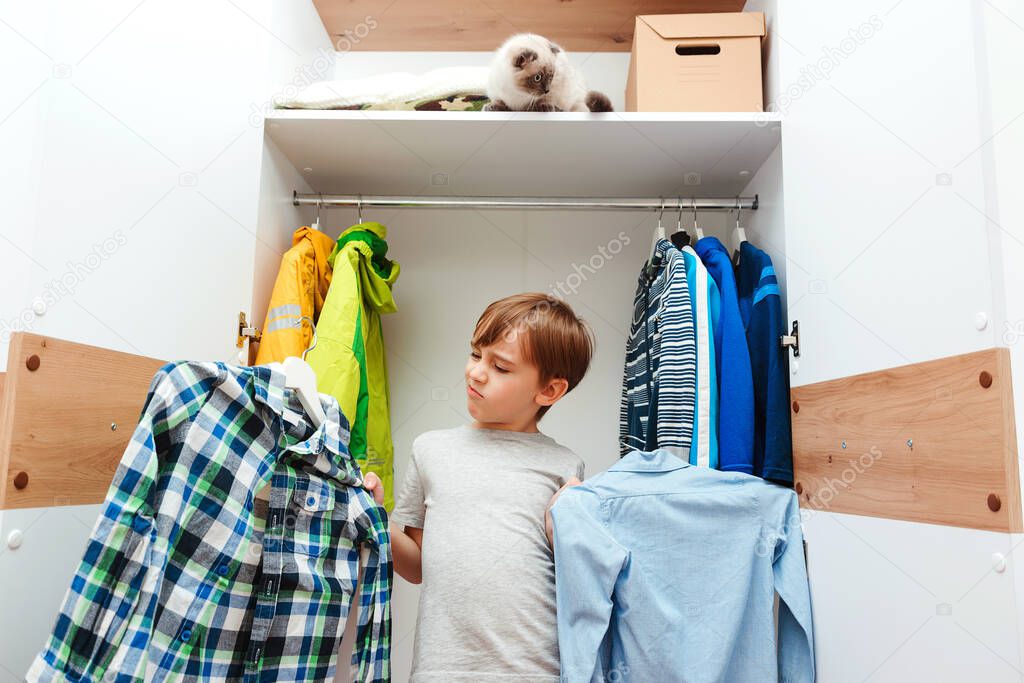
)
(548, 525)
(406, 542)
(406, 548)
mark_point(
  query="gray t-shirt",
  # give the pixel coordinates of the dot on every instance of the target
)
(487, 601)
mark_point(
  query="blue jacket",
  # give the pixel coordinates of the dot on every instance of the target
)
(668, 572)
(761, 310)
(735, 383)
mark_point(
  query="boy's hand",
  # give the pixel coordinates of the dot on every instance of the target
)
(373, 484)
(548, 526)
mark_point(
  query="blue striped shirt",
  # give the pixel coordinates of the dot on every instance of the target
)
(659, 379)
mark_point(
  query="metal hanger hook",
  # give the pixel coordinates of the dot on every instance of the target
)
(319, 201)
(679, 218)
(661, 212)
(359, 208)
(312, 325)
(739, 209)
(694, 204)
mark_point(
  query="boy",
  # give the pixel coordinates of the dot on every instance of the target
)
(469, 522)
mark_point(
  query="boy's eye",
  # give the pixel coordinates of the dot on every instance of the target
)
(500, 369)
(474, 354)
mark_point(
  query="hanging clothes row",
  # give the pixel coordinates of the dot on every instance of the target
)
(705, 376)
(344, 286)
(188, 573)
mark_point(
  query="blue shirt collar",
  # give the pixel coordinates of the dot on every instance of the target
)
(659, 460)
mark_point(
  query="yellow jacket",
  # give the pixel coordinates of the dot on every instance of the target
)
(300, 290)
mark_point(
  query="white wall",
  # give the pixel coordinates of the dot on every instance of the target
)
(134, 127)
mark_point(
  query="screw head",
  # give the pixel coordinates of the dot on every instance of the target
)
(32, 363)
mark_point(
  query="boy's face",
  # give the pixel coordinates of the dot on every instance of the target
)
(504, 389)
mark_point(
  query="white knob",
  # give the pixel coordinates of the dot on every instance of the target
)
(980, 320)
(14, 539)
(794, 366)
(39, 307)
(243, 357)
(999, 562)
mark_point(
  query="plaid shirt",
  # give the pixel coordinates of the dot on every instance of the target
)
(187, 575)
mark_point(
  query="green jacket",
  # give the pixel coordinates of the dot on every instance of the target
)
(349, 355)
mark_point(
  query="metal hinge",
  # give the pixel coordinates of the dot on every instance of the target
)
(792, 339)
(245, 331)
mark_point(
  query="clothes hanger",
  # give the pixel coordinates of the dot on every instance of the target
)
(680, 238)
(698, 231)
(659, 234)
(299, 376)
(316, 223)
(739, 235)
(359, 209)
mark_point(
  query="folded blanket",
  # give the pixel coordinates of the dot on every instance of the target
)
(456, 87)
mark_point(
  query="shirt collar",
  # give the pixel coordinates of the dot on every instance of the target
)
(268, 381)
(659, 460)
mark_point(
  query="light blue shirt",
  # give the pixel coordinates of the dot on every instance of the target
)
(667, 572)
(706, 302)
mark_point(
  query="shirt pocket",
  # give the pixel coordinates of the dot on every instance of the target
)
(309, 525)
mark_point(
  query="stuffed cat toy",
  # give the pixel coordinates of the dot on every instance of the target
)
(530, 73)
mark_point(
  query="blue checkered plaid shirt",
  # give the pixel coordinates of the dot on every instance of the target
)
(187, 574)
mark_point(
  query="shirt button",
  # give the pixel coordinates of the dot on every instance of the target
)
(311, 501)
(222, 570)
(186, 635)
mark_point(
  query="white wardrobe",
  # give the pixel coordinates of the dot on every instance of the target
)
(886, 168)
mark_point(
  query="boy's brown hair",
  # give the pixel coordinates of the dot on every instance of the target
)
(554, 338)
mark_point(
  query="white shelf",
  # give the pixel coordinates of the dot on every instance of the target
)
(525, 153)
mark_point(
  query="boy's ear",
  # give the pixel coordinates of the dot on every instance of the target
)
(554, 390)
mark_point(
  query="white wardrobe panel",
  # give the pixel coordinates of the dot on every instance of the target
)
(898, 601)
(882, 194)
(35, 577)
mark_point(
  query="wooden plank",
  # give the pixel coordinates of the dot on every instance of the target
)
(4, 433)
(56, 420)
(930, 442)
(456, 25)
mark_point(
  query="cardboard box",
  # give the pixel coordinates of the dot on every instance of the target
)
(696, 62)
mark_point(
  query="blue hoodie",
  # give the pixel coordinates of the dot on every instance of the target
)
(761, 311)
(732, 356)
